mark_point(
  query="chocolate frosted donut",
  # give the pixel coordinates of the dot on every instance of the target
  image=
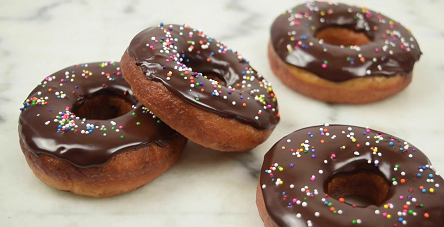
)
(199, 87)
(333, 51)
(309, 176)
(84, 131)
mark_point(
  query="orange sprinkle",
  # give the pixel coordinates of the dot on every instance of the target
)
(50, 89)
(332, 209)
(426, 215)
(202, 90)
(283, 147)
(186, 73)
(244, 104)
(362, 59)
(259, 113)
(208, 60)
(341, 200)
(406, 206)
(421, 187)
(325, 130)
(322, 141)
(402, 181)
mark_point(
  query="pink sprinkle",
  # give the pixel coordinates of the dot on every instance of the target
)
(120, 127)
(384, 214)
(333, 156)
(401, 197)
(324, 66)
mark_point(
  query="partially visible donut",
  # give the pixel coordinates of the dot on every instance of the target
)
(82, 130)
(200, 88)
(308, 176)
(341, 54)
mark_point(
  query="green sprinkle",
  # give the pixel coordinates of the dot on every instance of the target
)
(134, 113)
(197, 99)
(138, 123)
(122, 136)
(159, 121)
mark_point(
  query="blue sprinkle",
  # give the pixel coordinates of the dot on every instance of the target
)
(419, 175)
(161, 24)
(431, 175)
(391, 143)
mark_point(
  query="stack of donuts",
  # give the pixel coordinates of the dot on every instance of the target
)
(106, 128)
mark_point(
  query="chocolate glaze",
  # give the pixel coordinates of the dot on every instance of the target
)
(167, 51)
(298, 148)
(39, 131)
(393, 49)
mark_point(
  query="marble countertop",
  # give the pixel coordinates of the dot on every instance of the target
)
(205, 187)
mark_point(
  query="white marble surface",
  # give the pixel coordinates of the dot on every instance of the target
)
(205, 188)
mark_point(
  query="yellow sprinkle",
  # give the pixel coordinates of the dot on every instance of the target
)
(281, 182)
(292, 38)
(313, 28)
(432, 190)
(354, 140)
(389, 216)
(386, 206)
(322, 13)
(343, 147)
(280, 168)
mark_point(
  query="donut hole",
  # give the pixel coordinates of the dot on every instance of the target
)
(361, 189)
(102, 106)
(213, 76)
(335, 35)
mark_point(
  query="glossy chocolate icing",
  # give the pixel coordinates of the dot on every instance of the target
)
(308, 158)
(392, 50)
(180, 57)
(77, 144)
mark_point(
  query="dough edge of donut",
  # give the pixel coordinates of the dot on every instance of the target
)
(125, 172)
(260, 203)
(355, 91)
(200, 126)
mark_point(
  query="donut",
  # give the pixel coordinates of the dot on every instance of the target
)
(338, 53)
(200, 88)
(82, 130)
(309, 178)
